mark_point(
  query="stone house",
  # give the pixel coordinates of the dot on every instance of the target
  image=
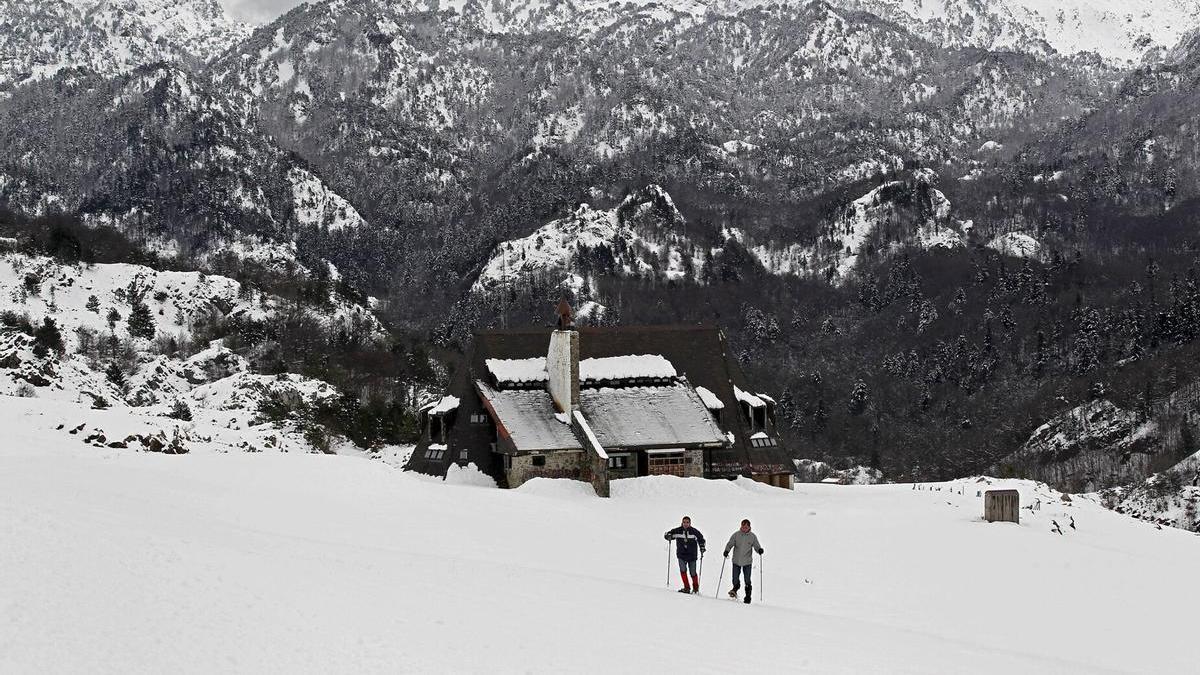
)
(600, 404)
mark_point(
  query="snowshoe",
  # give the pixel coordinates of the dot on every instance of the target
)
(685, 590)
(733, 593)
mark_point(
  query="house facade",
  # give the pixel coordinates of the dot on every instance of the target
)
(600, 404)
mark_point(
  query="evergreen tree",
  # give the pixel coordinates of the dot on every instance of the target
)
(93, 304)
(141, 321)
(115, 375)
(1040, 356)
(820, 417)
(47, 338)
(859, 398)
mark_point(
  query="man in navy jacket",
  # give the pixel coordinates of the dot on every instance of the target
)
(689, 544)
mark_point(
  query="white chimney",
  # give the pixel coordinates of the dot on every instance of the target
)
(562, 367)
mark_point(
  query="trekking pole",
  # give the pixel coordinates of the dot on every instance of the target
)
(718, 593)
(668, 564)
(760, 577)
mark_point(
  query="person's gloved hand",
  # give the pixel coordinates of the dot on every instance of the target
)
(701, 550)
(726, 554)
(760, 551)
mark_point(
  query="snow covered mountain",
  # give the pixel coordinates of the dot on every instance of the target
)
(39, 39)
(1121, 32)
(1115, 31)
(642, 236)
(190, 175)
(646, 236)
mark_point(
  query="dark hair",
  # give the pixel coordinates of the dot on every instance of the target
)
(687, 518)
(745, 521)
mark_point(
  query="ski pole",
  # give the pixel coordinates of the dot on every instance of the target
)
(718, 593)
(668, 564)
(760, 577)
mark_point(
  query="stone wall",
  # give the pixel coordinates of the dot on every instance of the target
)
(563, 464)
(578, 465)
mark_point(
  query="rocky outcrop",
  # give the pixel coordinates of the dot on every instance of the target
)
(1089, 447)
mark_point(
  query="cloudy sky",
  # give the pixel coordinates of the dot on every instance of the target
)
(258, 10)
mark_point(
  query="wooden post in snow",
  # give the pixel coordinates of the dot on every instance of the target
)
(1002, 505)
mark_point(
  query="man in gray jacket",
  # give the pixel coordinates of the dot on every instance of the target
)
(743, 543)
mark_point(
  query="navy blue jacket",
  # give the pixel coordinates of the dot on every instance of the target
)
(688, 542)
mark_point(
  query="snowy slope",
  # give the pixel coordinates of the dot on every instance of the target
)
(39, 287)
(638, 237)
(116, 561)
(1116, 30)
(909, 212)
(42, 38)
(642, 236)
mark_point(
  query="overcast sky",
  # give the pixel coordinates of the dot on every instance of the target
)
(259, 11)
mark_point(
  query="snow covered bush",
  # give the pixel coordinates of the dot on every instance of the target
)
(181, 411)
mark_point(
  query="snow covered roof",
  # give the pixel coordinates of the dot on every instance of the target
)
(631, 417)
(634, 366)
(710, 399)
(518, 371)
(528, 417)
(589, 435)
(627, 417)
(445, 405)
(748, 398)
(605, 369)
(766, 398)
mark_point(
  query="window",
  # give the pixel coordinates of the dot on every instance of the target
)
(479, 418)
(539, 460)
(435, 452)
(507, 462)
(763, 442)
(618, 462)
(668, 464)
(462, 455)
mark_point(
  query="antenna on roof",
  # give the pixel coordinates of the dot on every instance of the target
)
(566, 319)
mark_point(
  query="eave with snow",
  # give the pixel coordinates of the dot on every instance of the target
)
(601, 404)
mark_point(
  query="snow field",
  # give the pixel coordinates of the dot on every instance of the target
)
(117, 561)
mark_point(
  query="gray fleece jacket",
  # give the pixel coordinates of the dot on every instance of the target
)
(742, 544)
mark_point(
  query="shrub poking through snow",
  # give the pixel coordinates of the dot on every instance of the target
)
(181, 411)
